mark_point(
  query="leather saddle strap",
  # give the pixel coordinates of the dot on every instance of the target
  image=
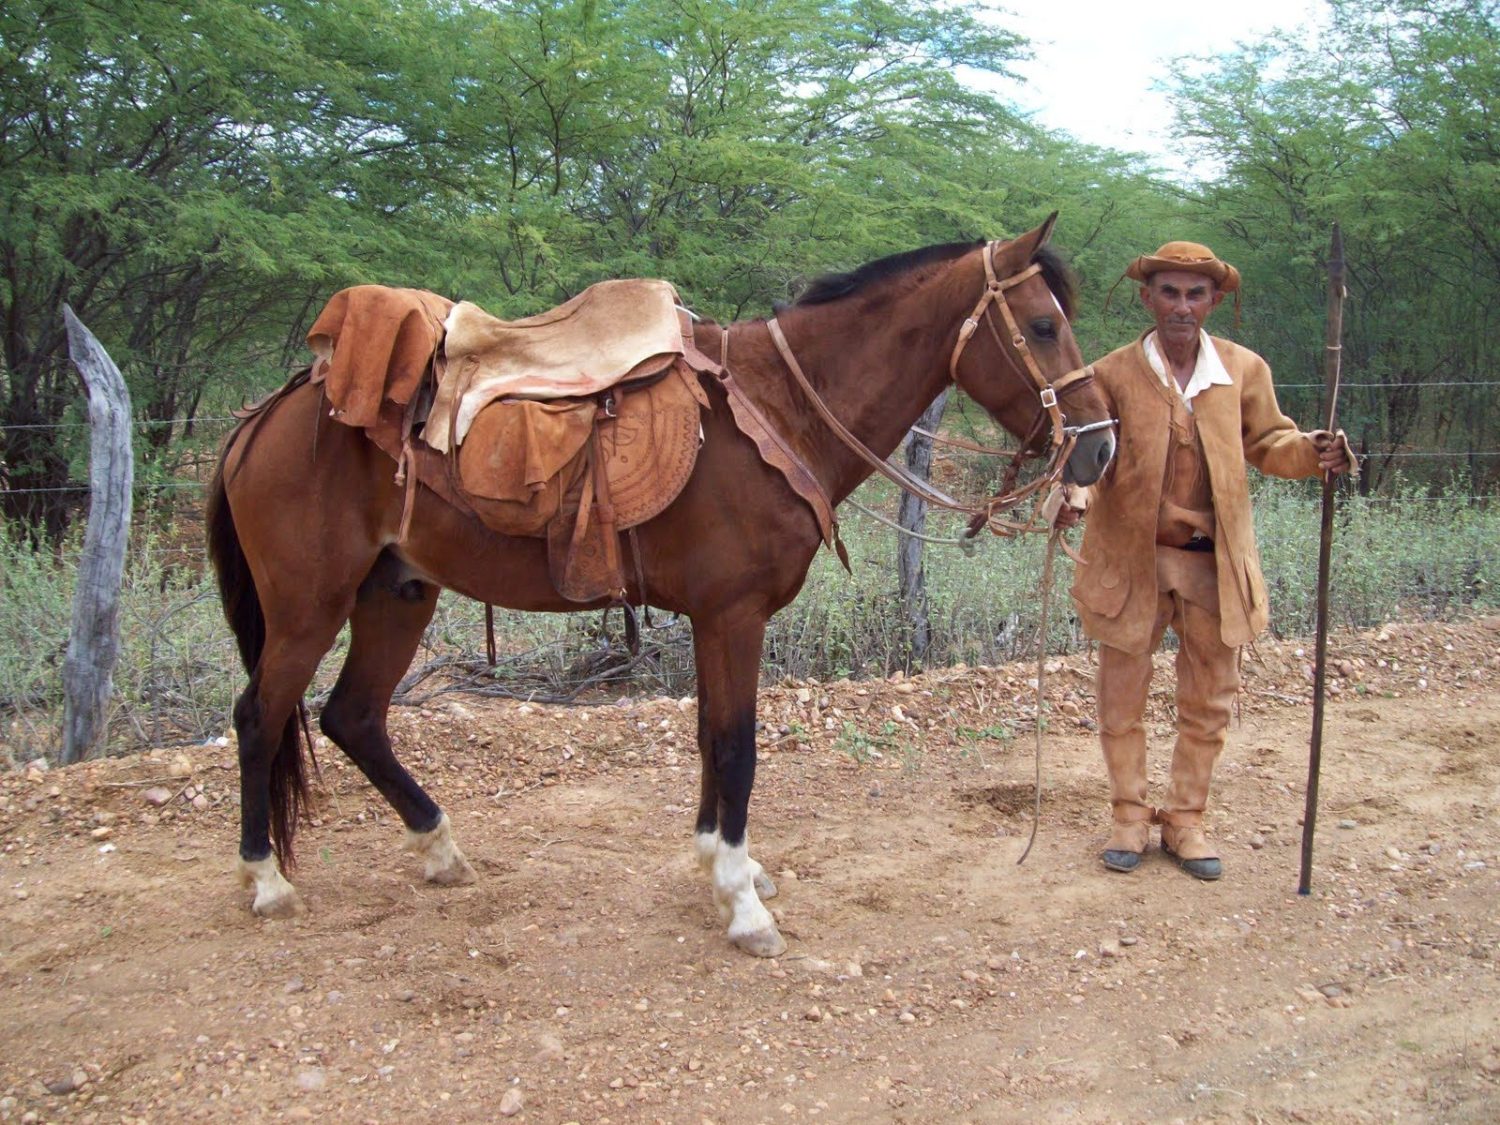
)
(914, 485)
(604, 508)
(774, 450)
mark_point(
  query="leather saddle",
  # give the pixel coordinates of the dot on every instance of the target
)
(574, 426)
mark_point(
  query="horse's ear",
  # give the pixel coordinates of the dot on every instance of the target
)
(1036, 239)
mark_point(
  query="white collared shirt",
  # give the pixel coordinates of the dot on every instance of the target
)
(1208, 373)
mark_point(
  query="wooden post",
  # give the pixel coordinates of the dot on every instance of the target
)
(94, 642)
(912, 516)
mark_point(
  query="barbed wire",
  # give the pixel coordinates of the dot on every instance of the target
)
(194, 484)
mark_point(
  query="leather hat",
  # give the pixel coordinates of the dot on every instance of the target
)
(1191, 257)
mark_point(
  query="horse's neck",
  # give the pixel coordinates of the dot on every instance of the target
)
(866, 379)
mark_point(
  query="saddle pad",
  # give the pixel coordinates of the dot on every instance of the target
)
(579, 348)
(373, 343)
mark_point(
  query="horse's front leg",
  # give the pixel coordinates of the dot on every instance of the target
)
(727, 652)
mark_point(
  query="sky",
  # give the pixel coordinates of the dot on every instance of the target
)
(1095, 61)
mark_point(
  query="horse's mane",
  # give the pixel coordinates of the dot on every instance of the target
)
(833, 286)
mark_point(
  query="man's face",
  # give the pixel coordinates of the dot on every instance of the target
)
(1180, 301)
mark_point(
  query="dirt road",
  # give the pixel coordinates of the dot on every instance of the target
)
(586, 978)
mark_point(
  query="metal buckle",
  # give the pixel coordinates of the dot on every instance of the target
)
(1049, 398)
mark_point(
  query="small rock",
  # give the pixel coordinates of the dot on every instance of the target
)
(311, 1079)
(67, 1083)
(1127, 941)
(1393, 852)
(180, 766)
(549, 1047)
(1109, 948)
(156, 796)
(103, 832)
(1331, 989)
(1348, 824)
(293, 985)
(907, 1017)
(334, 997)
(1257, 842)
(511, 1102)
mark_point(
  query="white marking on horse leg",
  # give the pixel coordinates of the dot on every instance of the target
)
(706, 844)
(765, 886)
(274, 896)
(442, 861)
(751, 926)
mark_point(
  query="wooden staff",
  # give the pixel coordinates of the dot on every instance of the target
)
(1332, 355)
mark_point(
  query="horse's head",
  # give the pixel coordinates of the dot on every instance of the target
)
(1016, 356)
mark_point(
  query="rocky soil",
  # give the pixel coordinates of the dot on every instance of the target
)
(586, 978)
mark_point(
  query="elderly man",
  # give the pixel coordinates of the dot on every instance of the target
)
(1169, 541)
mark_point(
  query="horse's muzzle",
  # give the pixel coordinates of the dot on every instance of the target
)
(1090, 457)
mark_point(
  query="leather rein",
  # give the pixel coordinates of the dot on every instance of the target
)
(989, 513)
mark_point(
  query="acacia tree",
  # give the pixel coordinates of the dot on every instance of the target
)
(182, 172)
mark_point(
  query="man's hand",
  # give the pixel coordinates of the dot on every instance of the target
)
(1065, 506)
(1334, 454)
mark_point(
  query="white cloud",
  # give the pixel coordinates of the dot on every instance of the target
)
(1095, 61)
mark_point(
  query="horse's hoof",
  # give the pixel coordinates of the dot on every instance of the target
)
(274, 896)
(764, 885)
(287, 904)
(457, 873)
(761, 943)
(442, 861)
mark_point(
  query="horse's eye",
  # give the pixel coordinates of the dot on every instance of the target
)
(1044, 328)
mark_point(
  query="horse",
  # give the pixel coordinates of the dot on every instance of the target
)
(304, 528)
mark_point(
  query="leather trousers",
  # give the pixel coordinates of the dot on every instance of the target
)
(1207, 681)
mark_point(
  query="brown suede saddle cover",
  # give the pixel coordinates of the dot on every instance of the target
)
(612, 332)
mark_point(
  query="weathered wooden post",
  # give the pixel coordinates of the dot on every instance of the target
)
(94, 642)
(912, 517)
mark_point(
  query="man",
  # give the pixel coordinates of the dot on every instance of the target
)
(1169, 541)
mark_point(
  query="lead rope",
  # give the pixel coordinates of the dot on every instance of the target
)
(1041, 669)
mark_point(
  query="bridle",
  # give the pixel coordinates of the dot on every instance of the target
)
(1028, 369)
(1064, 437)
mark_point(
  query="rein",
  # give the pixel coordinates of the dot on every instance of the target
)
(1064, 437)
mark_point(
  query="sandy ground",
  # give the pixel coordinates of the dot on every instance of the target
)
(586, 978)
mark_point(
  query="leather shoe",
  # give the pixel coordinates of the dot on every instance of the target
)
(1206, 869)
(1121, 860)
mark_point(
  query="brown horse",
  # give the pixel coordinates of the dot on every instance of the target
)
(303, 530)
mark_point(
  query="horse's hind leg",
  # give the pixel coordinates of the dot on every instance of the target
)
(390, 612)
(267, 719)
(727, 654)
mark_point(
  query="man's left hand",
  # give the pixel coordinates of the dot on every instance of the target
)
(1334, 454)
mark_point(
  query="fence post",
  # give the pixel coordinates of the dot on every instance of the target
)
(912, 516)
(94, 642)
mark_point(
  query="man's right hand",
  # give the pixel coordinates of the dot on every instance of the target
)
(1065, 506)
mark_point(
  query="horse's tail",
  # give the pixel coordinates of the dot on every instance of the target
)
(241, 603)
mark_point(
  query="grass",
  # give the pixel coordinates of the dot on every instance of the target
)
(1411, 554)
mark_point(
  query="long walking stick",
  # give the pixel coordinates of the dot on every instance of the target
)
(1332, 355)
